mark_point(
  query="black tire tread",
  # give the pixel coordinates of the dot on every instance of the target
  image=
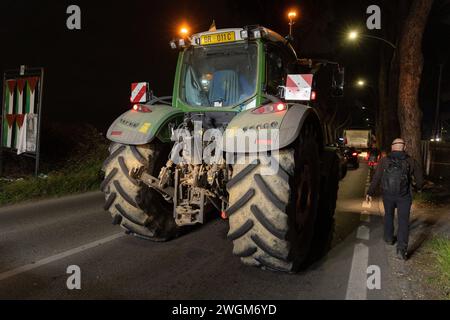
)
(112, 156)
(126, 171)
(247, 226)
(269, 193)
(108, 179)
(259, 215)
(124, 214)
(124, 194)
(109, 201)
(242, 174)
(242, 201)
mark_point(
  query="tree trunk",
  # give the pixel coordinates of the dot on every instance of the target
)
(381, 124)
(392, 125)
(411, 64)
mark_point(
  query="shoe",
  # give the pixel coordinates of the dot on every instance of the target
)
(402, 254)
(390, 241)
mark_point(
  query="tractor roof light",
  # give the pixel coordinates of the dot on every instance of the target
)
(184, 31)
(259, 32)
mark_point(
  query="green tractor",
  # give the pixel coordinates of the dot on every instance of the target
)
(278, 189)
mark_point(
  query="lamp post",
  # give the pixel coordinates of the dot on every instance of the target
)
(354, 35)
(291, 15)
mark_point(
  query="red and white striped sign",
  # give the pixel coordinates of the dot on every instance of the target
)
(139, 92)
(298, 87)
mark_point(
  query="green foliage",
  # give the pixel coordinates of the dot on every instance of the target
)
(440, 248)
(81, 172)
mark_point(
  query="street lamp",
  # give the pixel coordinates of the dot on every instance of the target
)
(360, 83)
(353, 35)
(291, 16)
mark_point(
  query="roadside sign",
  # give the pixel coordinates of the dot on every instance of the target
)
(21, 113)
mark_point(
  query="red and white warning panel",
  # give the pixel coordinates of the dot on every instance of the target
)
(139, 92)
(298, 87)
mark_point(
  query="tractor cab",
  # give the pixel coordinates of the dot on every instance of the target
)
(230, 69)
(236, 69)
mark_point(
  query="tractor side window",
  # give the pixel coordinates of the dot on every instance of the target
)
(277, 62)
(275, 70)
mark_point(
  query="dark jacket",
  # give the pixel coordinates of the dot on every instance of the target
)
(383, 164)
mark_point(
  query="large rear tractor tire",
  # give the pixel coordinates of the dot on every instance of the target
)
(272, 217)
(325, 223)
(138, 209)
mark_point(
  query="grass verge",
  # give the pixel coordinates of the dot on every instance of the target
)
(80, 173)
(439, 246)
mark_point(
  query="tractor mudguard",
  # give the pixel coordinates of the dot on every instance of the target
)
(288, 123)
(136, 128)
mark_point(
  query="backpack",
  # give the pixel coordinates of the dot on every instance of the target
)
(396, 181)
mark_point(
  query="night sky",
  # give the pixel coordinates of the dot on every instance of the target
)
(89, 71)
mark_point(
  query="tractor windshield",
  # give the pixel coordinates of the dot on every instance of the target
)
(219, 76)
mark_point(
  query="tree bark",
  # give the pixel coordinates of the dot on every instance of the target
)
(411, 65)
(381, 125)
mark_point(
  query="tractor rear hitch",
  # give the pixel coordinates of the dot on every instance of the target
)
(139, 174)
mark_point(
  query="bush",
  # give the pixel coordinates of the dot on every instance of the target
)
(80, 172)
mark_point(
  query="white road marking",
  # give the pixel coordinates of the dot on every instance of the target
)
(363, 233)
(357, 282)
(59, 256)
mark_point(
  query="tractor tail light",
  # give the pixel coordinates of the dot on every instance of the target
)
(141, 108)
(271, 107)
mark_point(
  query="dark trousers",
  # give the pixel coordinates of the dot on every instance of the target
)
(403, 205)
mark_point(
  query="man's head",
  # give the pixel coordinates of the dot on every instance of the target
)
(398, 145)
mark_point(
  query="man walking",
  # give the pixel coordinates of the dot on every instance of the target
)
(395, 173)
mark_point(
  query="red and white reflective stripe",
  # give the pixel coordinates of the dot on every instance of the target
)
(139, 92)
(298, 87)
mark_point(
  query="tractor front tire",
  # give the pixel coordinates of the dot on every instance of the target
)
(140, 211)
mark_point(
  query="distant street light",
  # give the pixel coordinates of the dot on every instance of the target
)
(353, 35)
(360, 83)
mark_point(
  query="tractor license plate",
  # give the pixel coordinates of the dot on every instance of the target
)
(217, 38)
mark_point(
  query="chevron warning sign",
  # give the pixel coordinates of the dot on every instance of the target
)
(139, 92)
(298, 87)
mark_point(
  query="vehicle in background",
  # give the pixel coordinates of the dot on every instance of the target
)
(338, 149)
(351, 156)
(359, 139)
(373, 158)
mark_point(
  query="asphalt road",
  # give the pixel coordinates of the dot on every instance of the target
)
(38, 241)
